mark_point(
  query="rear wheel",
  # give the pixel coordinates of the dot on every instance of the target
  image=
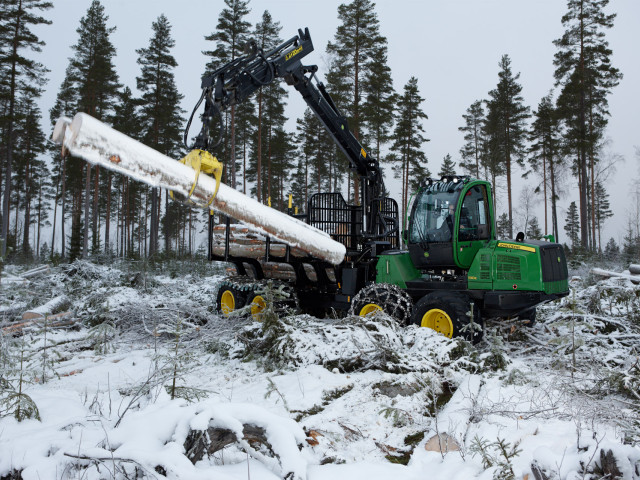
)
(383, 297)
(448, 314)
(240, 291)
(231, 295)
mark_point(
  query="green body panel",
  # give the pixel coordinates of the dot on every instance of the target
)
(396, 269)
(480, 276)
(508, 265)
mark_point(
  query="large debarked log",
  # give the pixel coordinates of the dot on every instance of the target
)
(99, 144)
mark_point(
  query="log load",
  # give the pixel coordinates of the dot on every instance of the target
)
(99, 144)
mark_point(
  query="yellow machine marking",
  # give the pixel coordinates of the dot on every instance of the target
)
(363, 153)
(293, 53)
(515, 246)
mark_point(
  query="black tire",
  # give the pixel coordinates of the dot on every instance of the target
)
(391, 299)
(528, 317)
(232, 294)
(448, 313)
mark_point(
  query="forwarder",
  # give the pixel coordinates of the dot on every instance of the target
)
(452, 271)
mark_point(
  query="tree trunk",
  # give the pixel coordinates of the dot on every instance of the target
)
(63, 204)
(8, 165)
(584, 221)
(87, 195)
(107, 222)
(544, 180)
(554, 214)
(94, 212)
(55, 214)
(259, 152)
(153, 231)
(27, 208)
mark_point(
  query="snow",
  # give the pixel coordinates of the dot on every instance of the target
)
(336, 398)
(99, 144)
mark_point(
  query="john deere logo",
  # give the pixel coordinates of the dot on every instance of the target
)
(426, 254)
(293, 53)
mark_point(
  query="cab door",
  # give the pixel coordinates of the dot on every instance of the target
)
(473, 224)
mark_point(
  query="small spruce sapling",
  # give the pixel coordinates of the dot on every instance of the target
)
(498, 455)
(13, 400)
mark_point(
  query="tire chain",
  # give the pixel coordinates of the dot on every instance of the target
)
(394, 301)
(251, 286)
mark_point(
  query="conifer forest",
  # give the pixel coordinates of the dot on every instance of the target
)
(59, 208)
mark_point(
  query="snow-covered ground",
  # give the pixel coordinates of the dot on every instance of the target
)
(302, 398)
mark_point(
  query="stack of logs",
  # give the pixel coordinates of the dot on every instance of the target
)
(243, 242)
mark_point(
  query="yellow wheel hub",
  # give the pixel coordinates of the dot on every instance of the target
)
(257, 306)
(439, 321)
(369, 308)
(227, 302)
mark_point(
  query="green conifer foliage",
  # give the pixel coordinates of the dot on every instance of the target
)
(94, 77)
(448, 166)
(230, 37)
(572, 225)
(19, 74)
(508, 123)
(355, 59)
(409, 157)
(584, 70)
(160, 113)
(471, 151)
(267, 33)
(603, 210)
(545, 156)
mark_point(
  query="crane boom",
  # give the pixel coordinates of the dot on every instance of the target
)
(236, 81)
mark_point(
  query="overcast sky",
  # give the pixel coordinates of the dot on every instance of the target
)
(453, 47)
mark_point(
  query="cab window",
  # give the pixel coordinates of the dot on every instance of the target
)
(474, 215)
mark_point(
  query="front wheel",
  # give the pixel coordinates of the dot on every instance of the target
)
(449, 314)
(384, 297)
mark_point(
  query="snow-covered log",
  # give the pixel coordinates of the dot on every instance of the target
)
(634, 269)
(99, 144)
(51, 307)
(34, 272)
(606, 273)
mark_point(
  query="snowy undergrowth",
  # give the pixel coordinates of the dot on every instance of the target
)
(149, 382)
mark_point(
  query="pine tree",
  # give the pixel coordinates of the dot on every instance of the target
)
(230, 37)
(471, 151)
(546, 156)
(611, 250)
(572, 225)
(491, 157)
(533, 229)
(267, 34)
(408, 140)
(65, 105)
(30, 145)
(380, 101)
(94, 77)
(160, 112)
(583, 68)
(603, 210)
(503, 226)
(448, 166)
(354, 52)
(19, 74)
(510, 115)
(630, 245)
